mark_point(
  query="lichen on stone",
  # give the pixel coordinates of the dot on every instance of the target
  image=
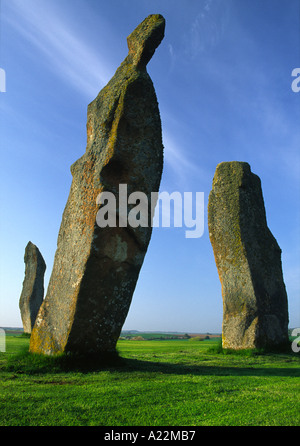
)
(248, 260)
(96, 269)
(33, 286)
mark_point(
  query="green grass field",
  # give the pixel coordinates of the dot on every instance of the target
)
(158, 383)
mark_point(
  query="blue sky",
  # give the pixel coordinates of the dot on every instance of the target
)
(222, 76)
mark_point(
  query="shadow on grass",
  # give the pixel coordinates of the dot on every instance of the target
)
(31, 364)
(206, 370)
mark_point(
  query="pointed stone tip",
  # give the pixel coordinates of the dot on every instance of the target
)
(30, 249)
(30, 246)
(144, 40)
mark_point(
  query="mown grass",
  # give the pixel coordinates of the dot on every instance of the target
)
(151, 383)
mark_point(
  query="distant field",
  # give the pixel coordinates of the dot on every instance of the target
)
(166, 335)
(158, 383)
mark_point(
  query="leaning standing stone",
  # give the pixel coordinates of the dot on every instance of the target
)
(33, 286)
(248, 258)
(96, 269)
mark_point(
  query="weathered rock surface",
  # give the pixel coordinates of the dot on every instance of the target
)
(33, 286)
(248, 258)
(96, 269)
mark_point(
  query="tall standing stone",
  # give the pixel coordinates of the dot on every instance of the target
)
(96, 269)
(248, 258)
(33, 286)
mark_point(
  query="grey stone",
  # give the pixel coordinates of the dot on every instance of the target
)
(248, 258)
(33, 286)
(96, 269)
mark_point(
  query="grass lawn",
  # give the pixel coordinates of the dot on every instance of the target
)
(159, 383)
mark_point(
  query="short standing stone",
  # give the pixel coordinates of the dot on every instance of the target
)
(96, 269)
(33, 286)
(248, 258)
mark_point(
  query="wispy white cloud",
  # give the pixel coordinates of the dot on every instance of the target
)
(172, 57)
(208, 26)
(180, 161)
(67, 53)
(208, 5)
(176, 157)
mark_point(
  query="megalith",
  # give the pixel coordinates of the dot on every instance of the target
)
(248, 259)
(96, 268)
(33, 286)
